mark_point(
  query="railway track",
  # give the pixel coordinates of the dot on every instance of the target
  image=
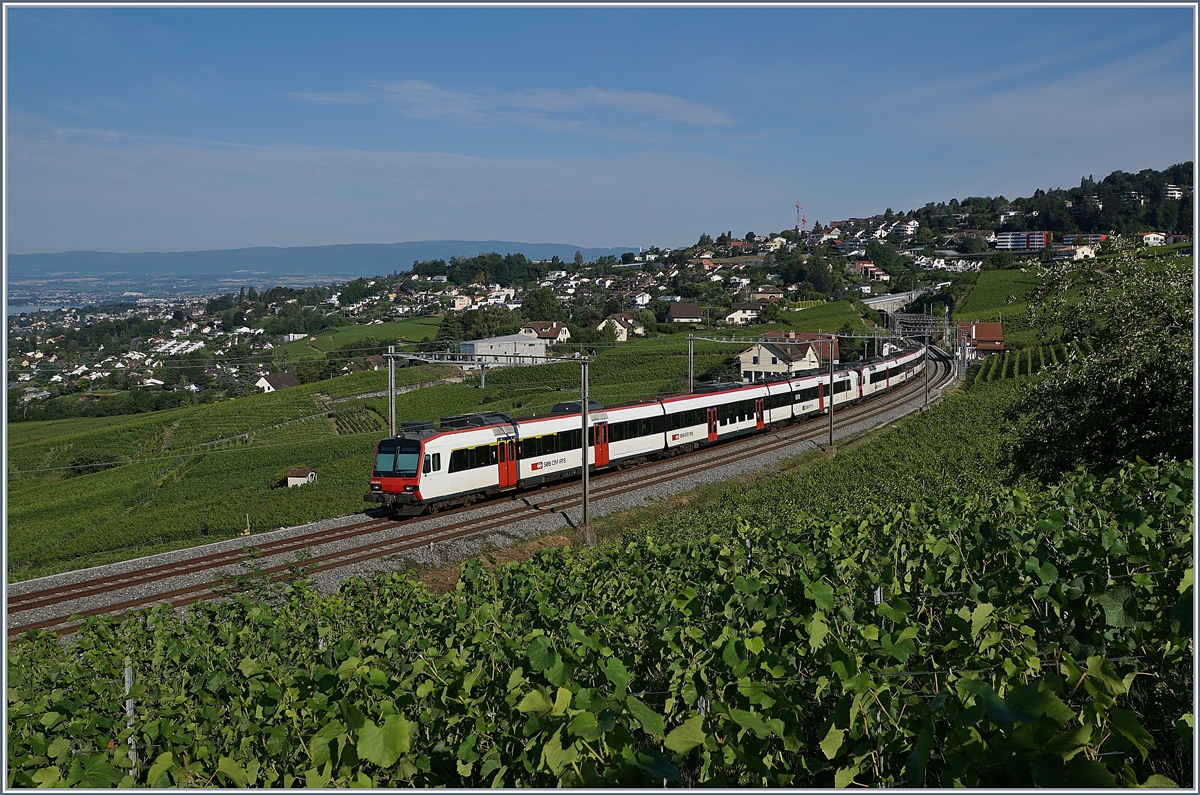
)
(379, 537)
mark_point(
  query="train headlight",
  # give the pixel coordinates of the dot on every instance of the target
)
(376, 487)
(410, 488)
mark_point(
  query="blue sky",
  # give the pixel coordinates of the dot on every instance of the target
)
(167, 129)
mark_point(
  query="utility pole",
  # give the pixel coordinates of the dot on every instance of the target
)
(482, 375)
(391, 390)
(926, 368)
(831, 450)
(691, 369)
(585, 528)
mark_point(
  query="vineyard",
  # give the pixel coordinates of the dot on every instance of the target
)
(1029, 361)
(995, 292)
(143, 484)
(953, 449)
(1014, 639)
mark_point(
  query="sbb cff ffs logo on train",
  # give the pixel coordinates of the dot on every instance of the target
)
(477, 455)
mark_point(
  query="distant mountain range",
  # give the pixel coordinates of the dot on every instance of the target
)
(192, 271)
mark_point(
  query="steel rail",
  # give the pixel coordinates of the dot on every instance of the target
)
(342, 558)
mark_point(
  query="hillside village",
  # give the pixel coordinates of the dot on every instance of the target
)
(162, 352)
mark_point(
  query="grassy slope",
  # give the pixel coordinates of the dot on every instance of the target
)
(827, 317)
(402, 333)
(1000, 295)
(182, 489)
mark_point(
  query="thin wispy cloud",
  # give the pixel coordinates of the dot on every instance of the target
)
(555, 109)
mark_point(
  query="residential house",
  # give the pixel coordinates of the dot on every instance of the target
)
(1090, 240)
(784, 353)
(766, 293)
(987, 235)
(684, 313)
(1075, 252)
(981, 338)
(1023, 241)
(868, 271)
(276, 381)
(553, 331)
(823, 341)
(623, 325)
(743, 314)
(1153, 238)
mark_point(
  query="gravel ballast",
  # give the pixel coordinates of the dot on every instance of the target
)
(441, 553)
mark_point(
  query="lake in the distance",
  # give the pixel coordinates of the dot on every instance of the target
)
(18, 309)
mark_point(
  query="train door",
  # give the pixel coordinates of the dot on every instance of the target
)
(712, 425)
(821, 396)
(758, 414)
(506, 457)
(600, 431)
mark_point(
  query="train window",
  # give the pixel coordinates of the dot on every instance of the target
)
(399, 458)
(529, 448)
(658, 425)
(458, 460)
(566, 440)
(647, 427)
(428, 466)
(490, 455)
(437, 462)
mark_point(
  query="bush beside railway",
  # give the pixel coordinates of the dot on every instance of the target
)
(1015, 639)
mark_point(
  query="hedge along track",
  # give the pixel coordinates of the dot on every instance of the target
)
(526, 504)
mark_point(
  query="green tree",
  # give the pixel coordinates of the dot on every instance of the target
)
(352, 292)
(541, 304)
(450, 330)
(1132, 395)
(645, 317)
(578, 258)
(973, 245)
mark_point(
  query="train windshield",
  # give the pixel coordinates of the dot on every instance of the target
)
(398, 458)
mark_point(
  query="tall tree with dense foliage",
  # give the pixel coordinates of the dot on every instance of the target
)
(541, 304)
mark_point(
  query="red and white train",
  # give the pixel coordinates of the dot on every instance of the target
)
(472, 456)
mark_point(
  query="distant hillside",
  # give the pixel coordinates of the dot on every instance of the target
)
(266, 266)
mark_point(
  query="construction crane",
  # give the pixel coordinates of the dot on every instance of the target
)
(798, 217)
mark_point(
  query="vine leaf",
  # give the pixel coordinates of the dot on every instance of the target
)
(686, 736)
(651, 721)
(383, 745)
(832, 742)
(233, 771)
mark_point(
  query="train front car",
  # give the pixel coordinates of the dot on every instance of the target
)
(396, 473)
